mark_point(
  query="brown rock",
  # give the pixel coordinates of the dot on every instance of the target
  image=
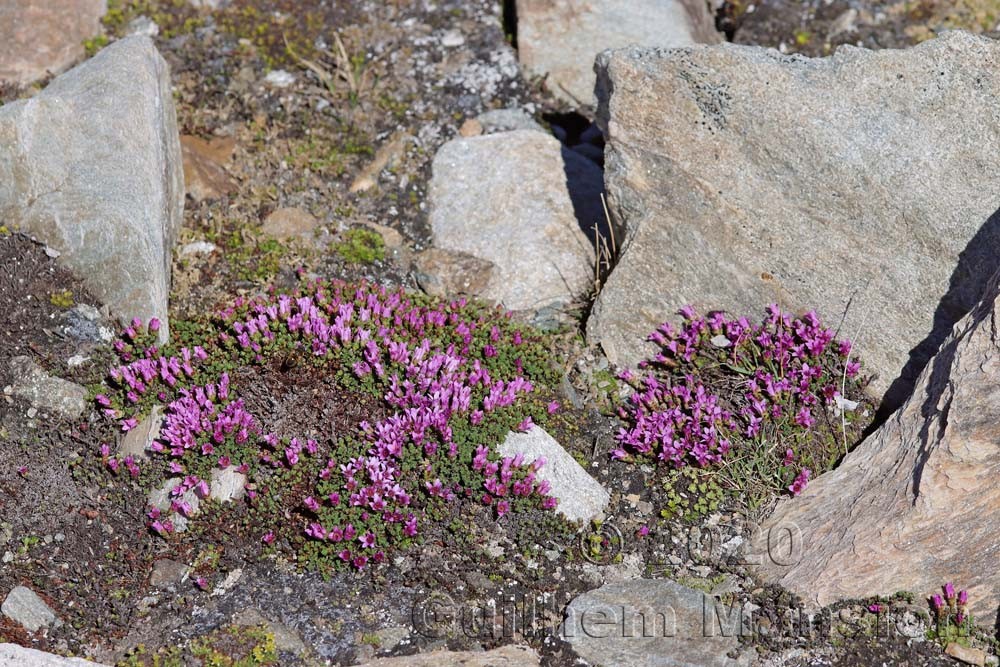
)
(39, 37)
(916, 504)
(471, 128)
(204, 174)
(970, 656)
(286, 223)
(505, 656)
(451, 273)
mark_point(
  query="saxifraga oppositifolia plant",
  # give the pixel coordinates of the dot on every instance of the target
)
(757, 406)
(454, 378)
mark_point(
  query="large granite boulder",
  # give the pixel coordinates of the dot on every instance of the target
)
(916, 504)
(39, 37)
(859, 185)
(92, 167)
(559, 39)
(521, 201)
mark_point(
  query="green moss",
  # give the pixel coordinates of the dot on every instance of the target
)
(94, 44)
(361, 246)
(62, 299)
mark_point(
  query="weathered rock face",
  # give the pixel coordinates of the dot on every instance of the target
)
(560, 38)
(916, 504)
(505, 198)
(38, 37)
(652, 622)
(91, 165)
(852, 183)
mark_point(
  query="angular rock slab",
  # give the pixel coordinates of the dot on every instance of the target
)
(92, 166)
(581, 497)
(12, 655)
(746, 177)
(46, 392)
(916, 504)
(560, 38)
(23, 606)
(647, 622)
(38, 37)
(504, 198)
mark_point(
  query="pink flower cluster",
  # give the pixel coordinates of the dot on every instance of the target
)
(784, 374)
(437, 365)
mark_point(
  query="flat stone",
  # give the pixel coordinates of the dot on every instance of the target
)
(288, 223)
(91, 166)
(204, 160)
(445, 273)
(851, 183)
(161, 499)
(46, 392)
(559, 39)
(12, 655)
(28, 610)
(504, 198)
(649, 622)
(505, 656)
(136, 442)
(580, 496)
(168, 573)
(914, 505)
(42, 37)
(227, 484)
(966, 654)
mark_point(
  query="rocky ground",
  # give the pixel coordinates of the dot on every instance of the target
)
(363, 142)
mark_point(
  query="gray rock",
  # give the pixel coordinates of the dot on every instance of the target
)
(136, 442)
(560, 38)
(504, 198)
(91, 166)
(655, 623)
(853, 182)
(448, 274)
(45, 392)
(926, 477)
(167, 573)
(227, 484)
(161, 499)
(39, 37)
(12, 655)
(28, 610)
(505, 656)
(505, 120)
(580, 496)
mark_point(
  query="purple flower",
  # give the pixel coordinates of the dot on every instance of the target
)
(799, 485)
(963, 598)
(268, 537)
(154, 325)
(937, 602)
(949, 592)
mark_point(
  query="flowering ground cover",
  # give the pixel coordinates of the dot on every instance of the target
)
(759, 407)
(446, 381)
